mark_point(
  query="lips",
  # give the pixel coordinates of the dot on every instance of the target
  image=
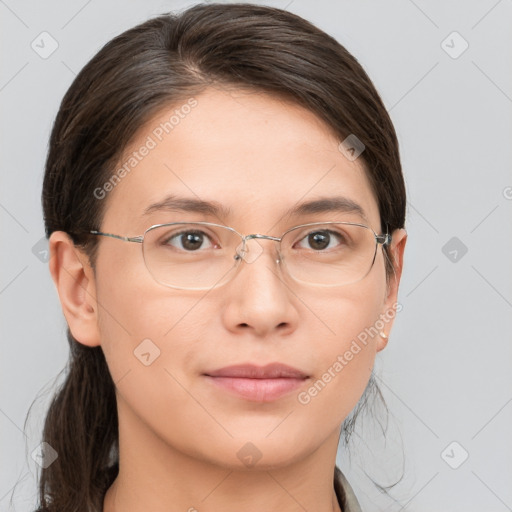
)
(257, 383)
(249, 371)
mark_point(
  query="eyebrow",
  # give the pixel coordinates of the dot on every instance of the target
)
(336, 204)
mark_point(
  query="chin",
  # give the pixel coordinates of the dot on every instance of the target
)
(259, 452)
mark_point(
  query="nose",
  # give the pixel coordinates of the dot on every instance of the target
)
(259, 297)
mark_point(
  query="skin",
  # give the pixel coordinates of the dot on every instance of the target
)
(179, 435)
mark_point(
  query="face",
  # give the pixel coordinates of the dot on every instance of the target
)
(257, 156)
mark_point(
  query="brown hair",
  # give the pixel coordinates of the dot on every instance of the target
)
(159, 63)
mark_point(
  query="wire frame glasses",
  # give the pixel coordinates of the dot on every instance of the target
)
(203, 255)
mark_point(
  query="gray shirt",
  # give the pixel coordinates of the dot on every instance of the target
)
(346, 497)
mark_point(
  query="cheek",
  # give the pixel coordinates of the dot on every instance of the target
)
(345, 354)
(341, 378)
(347, 318)
(138, 319)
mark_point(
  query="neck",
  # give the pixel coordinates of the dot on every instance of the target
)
(156, 476)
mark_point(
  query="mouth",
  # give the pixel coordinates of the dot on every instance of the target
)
(257, 383)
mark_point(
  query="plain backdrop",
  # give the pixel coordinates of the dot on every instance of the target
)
(443, 70)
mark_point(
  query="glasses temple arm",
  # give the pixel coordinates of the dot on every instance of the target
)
(137, 239)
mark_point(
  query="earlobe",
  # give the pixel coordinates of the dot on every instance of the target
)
(381, 344)
(75, 282)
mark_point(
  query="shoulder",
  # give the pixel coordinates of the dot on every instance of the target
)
(346, 496)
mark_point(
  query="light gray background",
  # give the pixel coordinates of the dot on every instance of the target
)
(447, 371)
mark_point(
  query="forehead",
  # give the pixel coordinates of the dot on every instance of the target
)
(242, 157)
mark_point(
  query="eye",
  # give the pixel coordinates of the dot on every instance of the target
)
(188, 240)
(323, 239)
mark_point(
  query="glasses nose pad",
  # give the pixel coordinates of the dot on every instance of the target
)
(249, 254)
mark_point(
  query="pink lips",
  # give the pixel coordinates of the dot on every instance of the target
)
(258, 383)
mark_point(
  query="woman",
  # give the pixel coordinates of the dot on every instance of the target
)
(209, 369)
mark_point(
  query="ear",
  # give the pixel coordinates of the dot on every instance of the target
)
(391, 306)
(75, 283)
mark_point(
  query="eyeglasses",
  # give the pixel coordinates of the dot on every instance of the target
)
(203, 255)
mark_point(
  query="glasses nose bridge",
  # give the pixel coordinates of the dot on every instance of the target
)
(257, 235)
(267, 237)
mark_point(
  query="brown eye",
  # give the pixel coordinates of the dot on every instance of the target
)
(321, 240)
(189, 241)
